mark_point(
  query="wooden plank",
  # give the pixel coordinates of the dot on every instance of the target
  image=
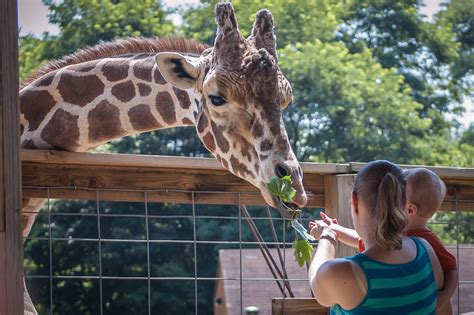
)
(444, 172)
(153, 161)
(298, 306)
(459, 182)
(338, 191)
(131, 181)
(11, 249)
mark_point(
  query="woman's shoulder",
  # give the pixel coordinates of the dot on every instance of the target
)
(337, 283)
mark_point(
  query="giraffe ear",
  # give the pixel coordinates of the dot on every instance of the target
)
(178, 70)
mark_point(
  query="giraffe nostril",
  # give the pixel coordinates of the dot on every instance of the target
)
(282, 170)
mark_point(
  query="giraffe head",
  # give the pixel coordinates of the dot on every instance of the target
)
(242, 94)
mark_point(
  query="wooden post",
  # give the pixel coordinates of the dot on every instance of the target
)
(11, 249)
(298, 306)
(338, 191)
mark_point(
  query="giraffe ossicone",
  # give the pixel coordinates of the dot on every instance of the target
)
(233, 92)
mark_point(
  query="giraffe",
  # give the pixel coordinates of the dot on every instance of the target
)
(233, 93)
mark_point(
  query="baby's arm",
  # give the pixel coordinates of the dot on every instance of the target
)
(451, 279)
(347, 236)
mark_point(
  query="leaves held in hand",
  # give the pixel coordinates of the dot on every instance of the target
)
(301, 230)
(302, 250)
(282, 188)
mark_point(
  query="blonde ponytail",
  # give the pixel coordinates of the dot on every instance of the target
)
(390, 220)
(381, 186)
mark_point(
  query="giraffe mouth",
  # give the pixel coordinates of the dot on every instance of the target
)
(288, 210)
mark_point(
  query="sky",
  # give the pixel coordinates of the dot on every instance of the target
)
(32, 18)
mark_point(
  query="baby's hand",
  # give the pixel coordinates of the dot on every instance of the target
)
(316, 228)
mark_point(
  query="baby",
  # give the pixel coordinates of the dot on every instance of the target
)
(425, 193)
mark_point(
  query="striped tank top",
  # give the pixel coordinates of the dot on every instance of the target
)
(396, 289)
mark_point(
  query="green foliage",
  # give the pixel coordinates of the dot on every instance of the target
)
(84, 23)
(31, 51)
(302, 251)
(348, 108)
(457, 16)
(282, 188)
(295, 20)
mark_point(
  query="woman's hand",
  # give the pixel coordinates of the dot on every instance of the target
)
(326, 219)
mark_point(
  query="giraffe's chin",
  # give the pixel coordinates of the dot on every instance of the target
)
(276, 203)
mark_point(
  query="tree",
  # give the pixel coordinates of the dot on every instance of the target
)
(348, 108)
(458, 16)
(85, 23)
(31, 50)
(295, 21)
(400, 37)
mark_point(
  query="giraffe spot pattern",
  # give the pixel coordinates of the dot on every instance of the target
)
(165, 106)
(221, 141)
(46, 79)
(28, 144)
(203, 123)
(104, 122)
(116, 70)
(257, 129)
(182, 97)
(83, 67)
(225, 163)
(239, 168)
(144, 89)
(80, 90)
(35, 105)
(187, 121)
(143, 69)
(62, 131)
(142, 119)
(266, 145)
(124, 91)
(209, 142)
(159, 78)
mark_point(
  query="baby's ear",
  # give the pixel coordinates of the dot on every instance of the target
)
(411, 209)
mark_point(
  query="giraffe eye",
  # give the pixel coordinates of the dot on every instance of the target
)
(216, 100)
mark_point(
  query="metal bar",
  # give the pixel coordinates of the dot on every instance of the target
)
(275, 239)
(158, 278)
(50, 246)
(264, 249)
(240, 258)
(148, 252)
(195, 256)
(100, 254)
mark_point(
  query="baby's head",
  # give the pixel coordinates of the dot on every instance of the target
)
(425, 191)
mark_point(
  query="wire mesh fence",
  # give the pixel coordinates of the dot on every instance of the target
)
(110, 257)
(104, 257)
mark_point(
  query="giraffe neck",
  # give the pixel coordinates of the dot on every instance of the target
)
(82, 106)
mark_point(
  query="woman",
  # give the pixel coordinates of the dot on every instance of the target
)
(395, 274)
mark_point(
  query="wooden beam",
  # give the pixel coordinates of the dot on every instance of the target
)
(338, 190)
(445, 172)
(459, 182)
(11, 249)
(128, 182)
(153, 161)
(298, 306)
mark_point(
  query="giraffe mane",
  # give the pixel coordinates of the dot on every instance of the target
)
(124, 46)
